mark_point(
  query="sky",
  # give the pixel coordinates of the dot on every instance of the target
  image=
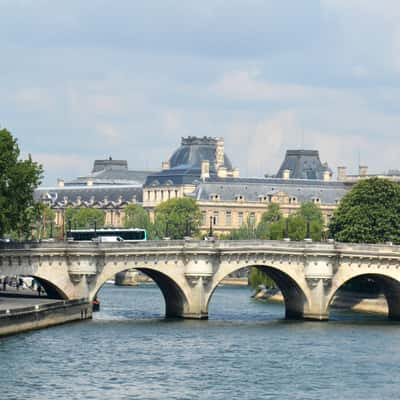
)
(83, 80)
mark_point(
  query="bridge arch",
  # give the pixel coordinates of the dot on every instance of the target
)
(295, 291)
(389, 286)
(173, 290)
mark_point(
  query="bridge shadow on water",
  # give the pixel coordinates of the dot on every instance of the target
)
(230, 307)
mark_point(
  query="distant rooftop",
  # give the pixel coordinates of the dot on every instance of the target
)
(109, 164)
(303, 164)
(110, 172)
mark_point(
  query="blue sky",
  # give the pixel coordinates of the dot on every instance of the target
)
(85, 80)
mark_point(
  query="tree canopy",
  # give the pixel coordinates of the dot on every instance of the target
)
(79, 218)
(274, 226)
(369, 213)
(18, 180)
(136, 217)
(177, 218)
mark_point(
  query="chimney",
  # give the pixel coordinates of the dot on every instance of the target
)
(341, 173)
(327, 176)
(205, 169)
(219, 153)
(222, 172)
(165, 165)
(60, 182)
(363, 170)
(286, 174)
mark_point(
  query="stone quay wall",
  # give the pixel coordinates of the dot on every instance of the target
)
(43, 315)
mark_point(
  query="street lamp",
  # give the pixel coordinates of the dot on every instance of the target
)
(286, 235)
(308, 232)
(166, 228)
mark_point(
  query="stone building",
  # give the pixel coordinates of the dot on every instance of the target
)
(110, 187)
(200, 169)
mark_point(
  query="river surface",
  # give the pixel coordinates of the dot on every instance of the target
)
(244, 351)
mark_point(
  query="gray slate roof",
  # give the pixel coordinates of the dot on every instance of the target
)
(113, 177)
(253, 188)
(90, 193)
(303, 164)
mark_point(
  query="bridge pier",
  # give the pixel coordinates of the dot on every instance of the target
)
(197, 305)
(317, 309)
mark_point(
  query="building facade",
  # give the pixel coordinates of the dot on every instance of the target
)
(200, 169)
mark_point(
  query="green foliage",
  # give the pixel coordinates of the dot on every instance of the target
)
(297, 223)
(80, 218)
(257, 277)
(176, 218)
(136, 217)
(271, 225)
(18, 180)
(369, 213)
(247, 231)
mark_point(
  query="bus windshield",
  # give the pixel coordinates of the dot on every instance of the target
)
(128, 235)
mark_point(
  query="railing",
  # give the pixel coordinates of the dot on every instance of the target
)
(202, 244)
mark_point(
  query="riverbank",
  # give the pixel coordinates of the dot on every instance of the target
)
(21, 313)
(353, 301)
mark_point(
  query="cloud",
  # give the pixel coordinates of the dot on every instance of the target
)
(33, 99)
(62, 165)
(136, 76)
(109, 132)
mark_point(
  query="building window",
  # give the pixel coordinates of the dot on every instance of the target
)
(252, 218)
(148, 195)
(176, 193)
(240, 218)
(204, 218)
(162, 195)
(216, 218)
(228, 218)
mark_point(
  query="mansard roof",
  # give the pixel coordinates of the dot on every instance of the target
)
(113, 193)
(303, 164)
(193, 151)
(112, 172)
(253, 188)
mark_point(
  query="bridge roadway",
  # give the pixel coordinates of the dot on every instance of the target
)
(187, 272)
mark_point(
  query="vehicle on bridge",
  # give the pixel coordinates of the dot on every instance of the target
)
(112, 234)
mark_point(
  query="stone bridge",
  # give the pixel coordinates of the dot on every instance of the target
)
(188, 272)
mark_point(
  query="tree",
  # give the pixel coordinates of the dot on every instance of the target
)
(84, 218)
(369, 213)
(258, 277)
(136, 217)
(247, 231)
(297, 223)
(18, 180)
(271, 224)
(177, 218)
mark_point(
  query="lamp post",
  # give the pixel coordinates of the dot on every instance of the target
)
(210, 233)
(286, 236)
(166, 228)
(308, 231)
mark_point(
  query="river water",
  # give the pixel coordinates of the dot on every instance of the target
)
(244, 351)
